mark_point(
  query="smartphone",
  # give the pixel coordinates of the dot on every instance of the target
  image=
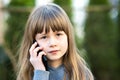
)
(44, 59)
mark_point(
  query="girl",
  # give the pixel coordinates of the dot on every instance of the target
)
(51, 29)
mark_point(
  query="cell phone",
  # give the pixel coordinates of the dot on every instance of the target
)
(44, 59)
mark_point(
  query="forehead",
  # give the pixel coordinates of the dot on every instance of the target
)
(46, 18)
(45, 31)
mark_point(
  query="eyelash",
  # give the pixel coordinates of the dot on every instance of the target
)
(58, 34)
(43, 37)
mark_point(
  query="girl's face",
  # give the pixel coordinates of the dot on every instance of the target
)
(54, 44)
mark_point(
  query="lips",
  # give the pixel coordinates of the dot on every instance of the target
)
(53, 51)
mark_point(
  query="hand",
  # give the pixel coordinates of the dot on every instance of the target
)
(36, 59)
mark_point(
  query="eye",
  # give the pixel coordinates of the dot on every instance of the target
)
(58, 34)
(43, 37)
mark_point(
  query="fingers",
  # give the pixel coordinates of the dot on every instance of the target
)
(36, 58)
(34, 50)
(41, 53)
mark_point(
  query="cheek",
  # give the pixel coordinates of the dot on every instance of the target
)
(43, 45)
(64, 43)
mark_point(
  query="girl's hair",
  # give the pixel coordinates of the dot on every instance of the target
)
(54, 17)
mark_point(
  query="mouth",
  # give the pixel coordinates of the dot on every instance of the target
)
(53, 51)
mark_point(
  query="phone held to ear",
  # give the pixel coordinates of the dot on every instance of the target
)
(44, 59)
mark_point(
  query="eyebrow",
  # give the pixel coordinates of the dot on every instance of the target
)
(40, 34)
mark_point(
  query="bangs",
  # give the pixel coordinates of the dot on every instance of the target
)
(50, 19)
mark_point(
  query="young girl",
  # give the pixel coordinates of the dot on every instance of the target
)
(49, 27)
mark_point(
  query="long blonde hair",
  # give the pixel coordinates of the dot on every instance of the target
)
(54, 17)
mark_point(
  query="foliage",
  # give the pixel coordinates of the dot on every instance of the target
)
(5, 65)
(16, 23)
(22, 3)
(118, 23)
(118, 44)
(101, 43)
(66, 5)
(100, 2)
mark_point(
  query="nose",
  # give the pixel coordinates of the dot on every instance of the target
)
(52, 41)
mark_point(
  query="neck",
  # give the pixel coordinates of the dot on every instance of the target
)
(55, 63)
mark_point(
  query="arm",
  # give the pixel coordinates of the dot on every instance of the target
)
(41, 75)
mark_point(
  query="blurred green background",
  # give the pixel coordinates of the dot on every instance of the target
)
(97, 35)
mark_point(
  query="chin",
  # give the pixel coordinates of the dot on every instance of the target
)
(54, 58)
